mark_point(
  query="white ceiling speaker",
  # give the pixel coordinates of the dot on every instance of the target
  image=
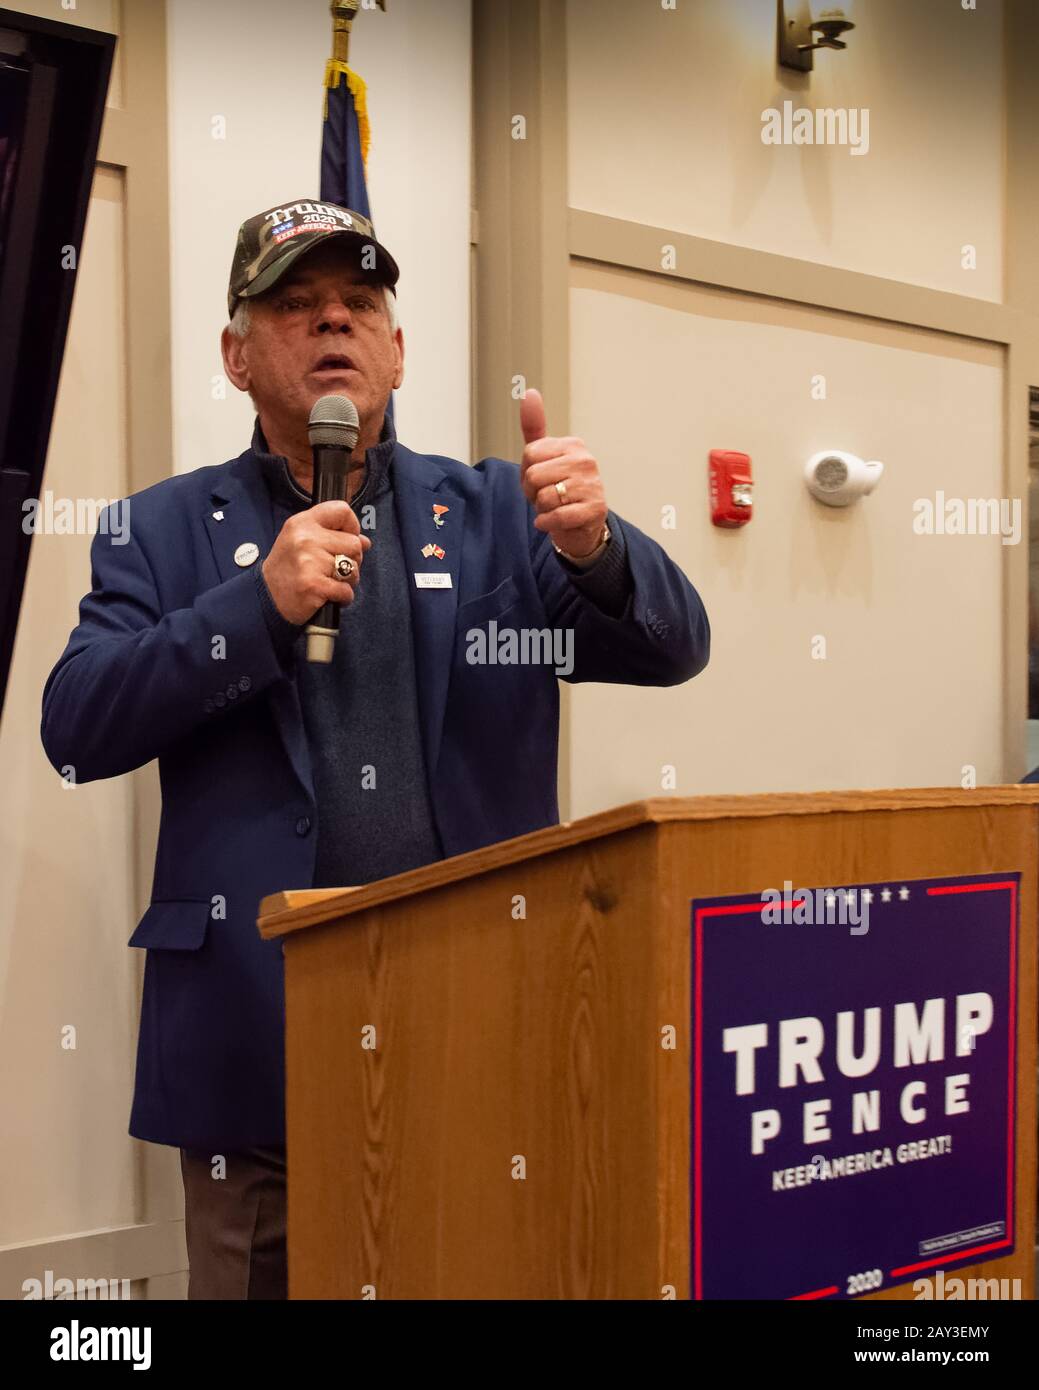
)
(838, 478)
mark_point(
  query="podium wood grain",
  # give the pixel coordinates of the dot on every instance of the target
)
(517, 1130)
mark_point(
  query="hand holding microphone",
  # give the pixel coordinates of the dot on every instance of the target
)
(301, 569)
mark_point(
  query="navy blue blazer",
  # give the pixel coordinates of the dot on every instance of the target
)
(138, 680)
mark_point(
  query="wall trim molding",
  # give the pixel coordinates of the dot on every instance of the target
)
(723, 265)
(117, 1252)
(521, 269)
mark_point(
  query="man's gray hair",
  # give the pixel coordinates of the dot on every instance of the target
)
(240, 322)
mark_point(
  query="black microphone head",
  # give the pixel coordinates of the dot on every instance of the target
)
(334, 421)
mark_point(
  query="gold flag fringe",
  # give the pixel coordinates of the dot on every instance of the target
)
(333, 71)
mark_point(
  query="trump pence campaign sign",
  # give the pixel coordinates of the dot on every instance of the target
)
(853, 1082)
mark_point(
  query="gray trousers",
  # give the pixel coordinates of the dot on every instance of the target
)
(235, 1224)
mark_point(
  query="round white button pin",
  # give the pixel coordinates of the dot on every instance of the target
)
(246, 554)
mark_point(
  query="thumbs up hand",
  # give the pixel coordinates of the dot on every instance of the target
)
(561, 478)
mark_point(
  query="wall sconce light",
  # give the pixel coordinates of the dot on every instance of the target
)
(805, 25)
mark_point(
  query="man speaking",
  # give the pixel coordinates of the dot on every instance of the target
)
(392, 749)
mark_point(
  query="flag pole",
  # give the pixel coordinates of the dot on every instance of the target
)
(345, 131)
(343, 13)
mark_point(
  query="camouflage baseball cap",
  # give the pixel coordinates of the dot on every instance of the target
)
(271, 241)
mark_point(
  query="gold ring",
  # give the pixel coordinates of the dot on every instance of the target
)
(342, 567)
(561, 490)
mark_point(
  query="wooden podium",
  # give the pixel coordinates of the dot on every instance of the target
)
(478, 1101)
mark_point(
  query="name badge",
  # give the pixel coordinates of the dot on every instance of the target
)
(432, 581)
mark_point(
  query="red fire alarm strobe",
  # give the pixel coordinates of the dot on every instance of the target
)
(732, 488)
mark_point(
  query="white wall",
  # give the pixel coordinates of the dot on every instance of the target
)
(910, 690)
(66, 853)
(665, 128)
(259, 64)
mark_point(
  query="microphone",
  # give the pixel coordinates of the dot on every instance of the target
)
(333, 429)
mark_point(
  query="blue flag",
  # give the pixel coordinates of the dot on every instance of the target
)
(345, 137)
(344, 140)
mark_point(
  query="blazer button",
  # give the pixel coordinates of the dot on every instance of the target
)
(303, 825)
(220, 699)
(232, 692)
(245, 684)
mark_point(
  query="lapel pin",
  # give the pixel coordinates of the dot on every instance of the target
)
(438, 513)
(218, 516)
(438, 552)
(246, 554)
(427, 551)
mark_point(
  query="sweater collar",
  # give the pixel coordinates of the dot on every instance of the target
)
(278, 476)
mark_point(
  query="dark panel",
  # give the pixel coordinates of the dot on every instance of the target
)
(53, 81)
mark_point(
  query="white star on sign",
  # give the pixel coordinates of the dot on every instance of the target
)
(885, 895)
(903, 892)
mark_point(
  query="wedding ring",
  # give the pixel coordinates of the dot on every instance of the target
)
(561, 489)
(342, 567)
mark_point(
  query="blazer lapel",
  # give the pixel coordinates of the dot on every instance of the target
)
(239, 513)
(419, 486)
